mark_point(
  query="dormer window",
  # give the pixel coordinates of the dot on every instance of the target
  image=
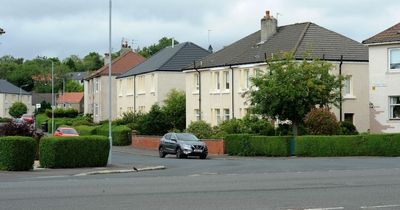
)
(394, 59)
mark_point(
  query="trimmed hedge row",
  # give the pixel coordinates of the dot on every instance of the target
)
(74, 152)
(248, 145)
(358, 145)
(85, 130)
(17, 153)
(121, 135)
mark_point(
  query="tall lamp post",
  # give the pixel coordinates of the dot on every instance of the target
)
(20, 91)
(109, 87)
(52, 97)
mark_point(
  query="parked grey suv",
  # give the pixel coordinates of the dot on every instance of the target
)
(182, 145)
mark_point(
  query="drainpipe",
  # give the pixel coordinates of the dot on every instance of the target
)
(233, 93)
(134, 93)
(341, 96)
(197, 70)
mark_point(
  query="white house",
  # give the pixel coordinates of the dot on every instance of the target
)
(10, 94)
(215, 86)
(384, 80)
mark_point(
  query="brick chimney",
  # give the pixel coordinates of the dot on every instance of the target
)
(269, 26)
(125, 47)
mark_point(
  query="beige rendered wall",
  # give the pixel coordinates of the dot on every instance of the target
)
(383, 83)
(7, 100)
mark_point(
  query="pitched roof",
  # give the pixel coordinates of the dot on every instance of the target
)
(169, 59)
(391, 34)
(120, 65)
(38, 98)
(299, 38)
(7, 87)
(78, 75)
(73, 97)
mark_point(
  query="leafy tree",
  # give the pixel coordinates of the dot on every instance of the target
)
(175, 109)
(321, 121)
(93, 61)
(153, 49)
(290, 88)
(17, 109)
(154, 122)
(43, 106)
(73, 86)
(74, 63)
(201, 129)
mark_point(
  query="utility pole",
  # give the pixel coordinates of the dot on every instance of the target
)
(109, 88)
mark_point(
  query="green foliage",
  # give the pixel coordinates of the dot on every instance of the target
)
(175, 109)
(347, 128)
(232, 126)
(93, 61)
(256, 125)
(60, 112)
(153, 49)
(121, 135)
(40, 118)
(17, 153)
(248, 145)
(357, 145)
(17, 109)
(291, 88)
(5, 120)
(201, 129)
(73, 86)
(153, 123)
(74, 152)
(43, 107)
(321, 121)
(85, 130)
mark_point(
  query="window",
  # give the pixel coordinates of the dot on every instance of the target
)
(129, 88)
(142, 109)
(218, 115)
(394, 59)
(394, 106)
(246, 79)
(226, 114)
(120, 87)
(153, 83)
(141, 84)
(197, 114)
(347, 86)
(96, 110)
(196, 81)
(348, 117)
(96, 85)
(216, 79)
(226, 80)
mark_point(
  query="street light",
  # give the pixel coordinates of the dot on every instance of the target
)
(109, 88)
(52, 97)
(20, 90)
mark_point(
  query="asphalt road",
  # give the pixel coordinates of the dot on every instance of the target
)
(216, 183)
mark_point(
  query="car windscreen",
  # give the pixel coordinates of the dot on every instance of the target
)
(186, 137)
(68, 131)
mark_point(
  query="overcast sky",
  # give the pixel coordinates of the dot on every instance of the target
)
(64, 27)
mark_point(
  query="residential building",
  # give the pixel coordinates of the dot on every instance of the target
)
(215, 87)
(384, 80)
(72, 100)
(149, 82)
(96, 86)
(10, 94)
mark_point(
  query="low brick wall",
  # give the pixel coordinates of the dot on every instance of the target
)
(215, 146)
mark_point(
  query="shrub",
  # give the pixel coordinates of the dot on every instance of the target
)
(39, 119)
(320, 121)
(201, 129)
(121, 135)
(17, 109)
(73, 152)
(347, 128)
(5, 120)
(175, 109)
(247, 145)
(17, 153)
(43, 107)
(78, 122)
(232, 126)
(85, 130)
(153, 123)
(61, 112)
(256, 125)
(357, 145)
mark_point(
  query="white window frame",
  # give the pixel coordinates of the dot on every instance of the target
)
(120, 87)
(217, 81)
(196, 82)
(129, 86)
(153, 83)
(227, 114)
(227, 80)
(348, 87)
(390, 58)
(391, 108)
(218, 118)
(197, 114)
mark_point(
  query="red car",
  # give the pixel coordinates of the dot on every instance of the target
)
(28, 118)
(64, 131)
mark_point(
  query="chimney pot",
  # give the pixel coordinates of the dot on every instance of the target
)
(267, 15)
(269, 26)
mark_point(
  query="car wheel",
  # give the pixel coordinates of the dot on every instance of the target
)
(179, 153)
(161, 152)
(203, 156)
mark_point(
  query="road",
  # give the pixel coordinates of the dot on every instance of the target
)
(216, 183)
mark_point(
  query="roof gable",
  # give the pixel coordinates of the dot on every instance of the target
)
(72, 97)
(391, 34)
(7, 87)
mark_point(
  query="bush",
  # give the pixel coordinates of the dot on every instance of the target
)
(358, 145)
(320, 121)
(153, 123)
(60, 113)
(121, 135)
(347, 128)
(17, 153)
(17, 109)
(256, 125)
(201, 129)
(43, 107)
(74, 152)
(287, 130)
(5, 120)
(232, 126)
(39, 119)
(247, 145)
(85, 130)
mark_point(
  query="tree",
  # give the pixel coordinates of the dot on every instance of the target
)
(93, 61)
(175, 109)
(153, 49)
(73, 86)
(154, 122)
(291, 88)
(17, 109)
(321, 121)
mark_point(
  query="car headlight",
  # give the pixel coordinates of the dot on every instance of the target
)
(186, 146)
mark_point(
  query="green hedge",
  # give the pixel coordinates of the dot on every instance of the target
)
(74, 152)
(248, 145)
(85, 130)
(17, 153)
(121, 135)
(357, 145)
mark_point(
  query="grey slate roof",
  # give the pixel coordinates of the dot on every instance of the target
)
(299, 38)
(7, 87)
(169, 59)
(78, 75)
